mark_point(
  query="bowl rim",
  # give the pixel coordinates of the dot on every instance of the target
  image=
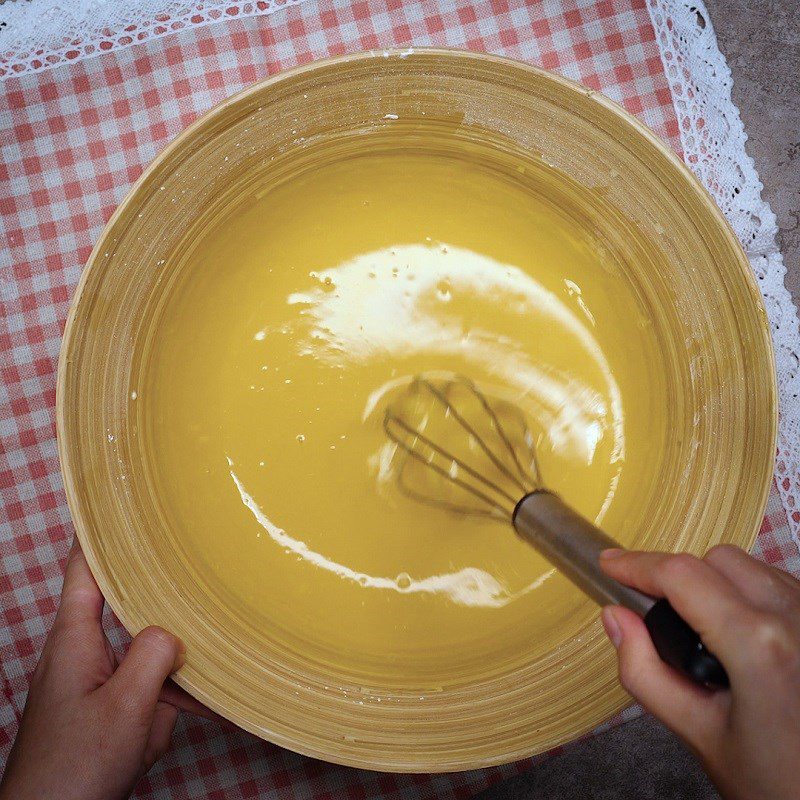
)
(595, 96)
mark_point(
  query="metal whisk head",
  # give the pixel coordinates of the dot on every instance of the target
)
(460, 449)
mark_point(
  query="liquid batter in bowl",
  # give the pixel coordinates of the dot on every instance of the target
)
(299, 310)
(519, 229)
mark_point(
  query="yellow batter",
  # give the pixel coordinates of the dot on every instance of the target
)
(275, 356)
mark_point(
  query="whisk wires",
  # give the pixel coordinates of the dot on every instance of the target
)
(461, 450)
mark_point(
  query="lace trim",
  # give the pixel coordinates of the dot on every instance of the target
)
(47, 33)
(713, 140)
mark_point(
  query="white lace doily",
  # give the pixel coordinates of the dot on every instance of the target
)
(46, 33)
(713, 139)
(43, 34)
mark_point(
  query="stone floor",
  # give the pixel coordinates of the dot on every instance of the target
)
(761, 40)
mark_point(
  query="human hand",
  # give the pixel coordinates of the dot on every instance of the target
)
(748, 615)
(91, 728)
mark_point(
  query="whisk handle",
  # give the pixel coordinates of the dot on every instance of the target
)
(573, 544)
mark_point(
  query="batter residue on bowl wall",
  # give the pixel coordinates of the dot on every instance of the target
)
(297, 316)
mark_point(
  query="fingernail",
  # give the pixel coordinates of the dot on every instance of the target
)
(613, 552)
(180, 659)
(611, 626)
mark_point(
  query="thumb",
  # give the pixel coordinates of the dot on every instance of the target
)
(687, 709)
(153, 656)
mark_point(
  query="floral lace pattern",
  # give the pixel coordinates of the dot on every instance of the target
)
(43, 34)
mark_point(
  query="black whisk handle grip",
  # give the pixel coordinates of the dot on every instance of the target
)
(573, 544)
(680, 646)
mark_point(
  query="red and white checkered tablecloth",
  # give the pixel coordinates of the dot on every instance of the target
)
(73, 140)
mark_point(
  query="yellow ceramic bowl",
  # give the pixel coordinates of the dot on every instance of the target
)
(720, 395)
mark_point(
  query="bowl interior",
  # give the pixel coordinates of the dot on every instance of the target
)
(683, 263)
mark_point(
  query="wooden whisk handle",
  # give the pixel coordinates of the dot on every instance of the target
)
(573, 545)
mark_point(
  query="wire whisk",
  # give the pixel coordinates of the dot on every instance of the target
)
(464, 451)
(467, 452)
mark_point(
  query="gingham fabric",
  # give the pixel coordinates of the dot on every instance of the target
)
(73, 140)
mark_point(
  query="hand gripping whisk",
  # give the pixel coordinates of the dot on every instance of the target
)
(473, 454)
